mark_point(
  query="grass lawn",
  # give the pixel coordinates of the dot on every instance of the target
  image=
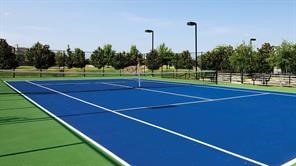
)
(30, 137)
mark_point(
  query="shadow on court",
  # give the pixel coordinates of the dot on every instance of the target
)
(41, 149)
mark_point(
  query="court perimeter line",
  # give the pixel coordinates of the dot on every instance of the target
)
(191, 102)
(96, 144)
(67, 83)
(205, 86)
(158, 91)
(155, 126)
(226, 88)
(289, 163)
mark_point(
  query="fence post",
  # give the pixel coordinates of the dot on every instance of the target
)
(230, 77)
(289, 79)
(84, 71)
(242, 78)
(216, 81)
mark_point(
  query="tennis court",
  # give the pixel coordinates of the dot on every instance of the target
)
(148, 122)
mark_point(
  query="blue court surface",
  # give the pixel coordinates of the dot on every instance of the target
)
(165, 123)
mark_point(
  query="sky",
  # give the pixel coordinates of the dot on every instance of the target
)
(87, 24)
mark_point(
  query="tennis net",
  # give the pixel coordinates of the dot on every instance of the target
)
(78, 82)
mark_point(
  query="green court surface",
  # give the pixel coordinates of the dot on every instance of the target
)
(30, 137)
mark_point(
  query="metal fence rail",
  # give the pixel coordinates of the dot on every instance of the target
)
(288, 80)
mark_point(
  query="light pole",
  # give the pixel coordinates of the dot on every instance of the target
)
(152, 41)
(195, 26)
(251, 40)
(152, 32)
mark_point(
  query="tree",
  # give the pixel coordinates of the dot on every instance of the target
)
(119, 61)
(217, 59)
(108, 53)
(204, 61)
(21, 59)
(242, 60)
(7, 57)
(41, 56)
(284, 57)
(134, 57)
(153, 60)
(69, 58)
(60, 59)
(98, 59)
(183, 61)
(165, 54)
(220, 57)
(78, 58)
(262, 60)
(87, 61)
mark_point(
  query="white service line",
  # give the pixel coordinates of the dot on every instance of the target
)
(175, 94)
(158, 91)
(155, 126)
(230, 88)
(191, 102)
(290, 163)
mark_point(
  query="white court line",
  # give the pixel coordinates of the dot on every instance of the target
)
(226, 88)
(82, 83)
(290, 163)
(96, 144)
(155, 126)
(176, 94)
(192, 102)
(205, 86)
(158, 91)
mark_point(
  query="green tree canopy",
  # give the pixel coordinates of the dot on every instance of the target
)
(242, 58)
(153, 60)
(21, 59)
(119, 61)
(166, 54)
(262, 60)
(217, 59)
(79, 58)
(108, 53)
(60, 58)
(98, 59)
(220, 58)
(7, 57)
(41, 56)
(134, 56)
(285, 57)
(70, 57)
(183, 60)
